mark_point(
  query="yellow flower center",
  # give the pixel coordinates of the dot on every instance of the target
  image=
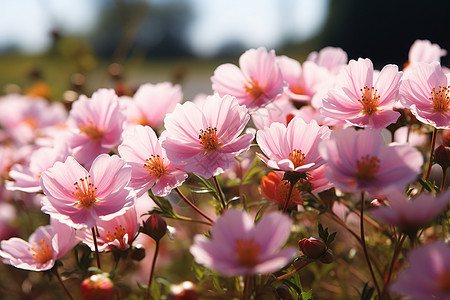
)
(155, 166)
(369, 100)
(247, 252)
(91, 130)
(118, 234)
(367, 168)
(85, 192)
(208, 138)
(253, 89)
(42, 253)
(441, 99)
(297, 158)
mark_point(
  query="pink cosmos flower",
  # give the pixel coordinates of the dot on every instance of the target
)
(410, 215)
(46, 245)
(256, 83)
(332, 58)
(277, 111)
(319, 182)
(359, 161)
(150, 167)
(152, 102)
(95, 125)
(304, 81)
(26, 177)
(206, 140)
(427, 277)
(115, 234)
(424, 51)
(361, 100)
(293, 148)
(81, 198)
(426, 92)
(239, 247)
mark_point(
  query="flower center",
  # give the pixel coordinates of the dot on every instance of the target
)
(283, 193)
(247, 252)
(441, 99)
(253, 89)
(298, 90)
(297, 158)
(91, 130)
(155, 166)
(369, 100)
(118, 234)
(208, 138)
(42, 253)
(443, 281)
(85, 192)
(367, 167)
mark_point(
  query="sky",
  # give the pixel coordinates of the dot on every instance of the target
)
(25, 24)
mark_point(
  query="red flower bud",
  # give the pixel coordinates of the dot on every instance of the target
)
(184, 291)
(327, 257)
(155, 227)
(98, 286)
(445, 137)
(312, 247)
(442, 156)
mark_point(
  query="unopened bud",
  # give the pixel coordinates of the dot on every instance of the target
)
(327, 257)
(442, 156)
(312, 247)
(184, 291)
(445, 137)
(98, 286)
(137, 252)
(283, 292)
(155, 227)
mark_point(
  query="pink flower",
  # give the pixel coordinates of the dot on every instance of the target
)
(424, 51)
(239, 247)
(115, 234)
(95, 125)
(332, 58)
(359, 161)
(150, 167)
(361, 100)
(319, 182)
(427, 277)
(426, 92)
(293, 148)
(304, 81)
(410, 214)
(81, 198)
(152, 102)
(256, 83)
(206, 140)
(46, 245)
(277, 111)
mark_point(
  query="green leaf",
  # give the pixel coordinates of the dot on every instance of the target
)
(331, 238)
(307, 295)
(154, 290)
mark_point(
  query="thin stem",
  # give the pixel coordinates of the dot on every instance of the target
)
(444, 179)
(150, 278)
(62, 284)
(97, 256)
(298, 268)
(391, 267)
(430, 160)
(286, 204)
(363, 240)
(246, 284)
(198, 210)
(219, 190)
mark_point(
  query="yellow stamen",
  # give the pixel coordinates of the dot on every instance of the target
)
(85, 192)
(42, 253)
(369, 100)
(297, 158)
(208, 138)
(441, 99)
(247, 252)
(253, 89)
(368, 168)
(118, 234)
(91, 130)
(155, 166)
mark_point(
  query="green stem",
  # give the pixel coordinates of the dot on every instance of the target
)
(363, 243)
(219, 191)
(391, 267)
(286, 204)
(97, 256)
(246, 284)
(444, 179)
(150, 278)
(62, 284)
(198, 210)
(298, 268)
(430, 159)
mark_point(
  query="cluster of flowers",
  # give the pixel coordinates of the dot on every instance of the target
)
(328, 131)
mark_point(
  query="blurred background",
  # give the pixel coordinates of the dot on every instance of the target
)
(84, 45)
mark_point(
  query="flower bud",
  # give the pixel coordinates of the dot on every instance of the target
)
(137, 252)
(155, 227)
(184, 291)
(283, 292)
(98, 286)
(445, 137)
(312, 247)
(442, 156)
(327, 257)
